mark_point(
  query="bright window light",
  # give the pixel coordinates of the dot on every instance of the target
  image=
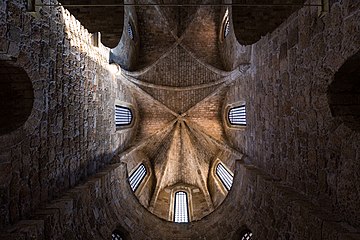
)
(247, 235)
(226, 27)
(137, 176)
(237, 115)
(116, 236)
(225, 176)
(181, 207)
(130, 30)
(123, 116)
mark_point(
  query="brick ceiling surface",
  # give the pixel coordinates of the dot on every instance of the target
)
(181, 85)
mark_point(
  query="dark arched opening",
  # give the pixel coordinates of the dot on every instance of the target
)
(344, 93)
(120, 234)
(16, 97)
(243, 233)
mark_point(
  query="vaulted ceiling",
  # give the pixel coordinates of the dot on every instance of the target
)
(250, 22)
(179, 78)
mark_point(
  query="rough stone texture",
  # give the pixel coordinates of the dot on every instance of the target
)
(298, 177)
(291, 132)
(110, 204)
(70, 133)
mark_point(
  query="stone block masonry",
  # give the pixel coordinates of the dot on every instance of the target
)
(70, 133)
(291, 132)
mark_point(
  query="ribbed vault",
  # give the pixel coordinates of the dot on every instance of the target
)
(180, 101)
(180, 86)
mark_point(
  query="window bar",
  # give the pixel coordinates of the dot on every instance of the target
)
(225, 176)
(226, 27)
(247, 236)
(130, 31)
(136, 178)
(225, 179)
(237, 115)
(123, 116)
(181, 211)
(116, 236)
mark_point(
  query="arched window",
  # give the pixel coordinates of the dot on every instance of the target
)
(246, 235)
(181, 207)
(123, 116)
(237, 115)
(137, 176)
(226, 24)
(117, 235)
(130, 31)
(226, 27)
(225, 176)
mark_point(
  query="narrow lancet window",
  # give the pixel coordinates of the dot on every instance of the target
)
(130, 31)
(226, 24)
(226, 27)
(246, 235)
(116, 236)
(137, 176)
(237, 115)
(181, 211)
(123, 116)
(225, 176)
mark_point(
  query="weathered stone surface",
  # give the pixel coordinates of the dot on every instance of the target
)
(298, 178)
(291, 131)
(69, 131)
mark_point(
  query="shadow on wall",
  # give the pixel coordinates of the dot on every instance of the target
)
(64, 120)
(344, 93)
(16, 96)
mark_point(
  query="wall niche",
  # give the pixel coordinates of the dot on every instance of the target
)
(16, 97)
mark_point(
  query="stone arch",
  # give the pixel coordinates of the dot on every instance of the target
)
(344, 93)
(16, 97)
(19, 98)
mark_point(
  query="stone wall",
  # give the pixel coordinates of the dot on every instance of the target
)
(311, 157)
(70, 133)
(106, 202)
(291, 132)
(16, 97)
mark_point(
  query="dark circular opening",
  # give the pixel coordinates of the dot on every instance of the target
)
(344, 93)
(16, 97)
